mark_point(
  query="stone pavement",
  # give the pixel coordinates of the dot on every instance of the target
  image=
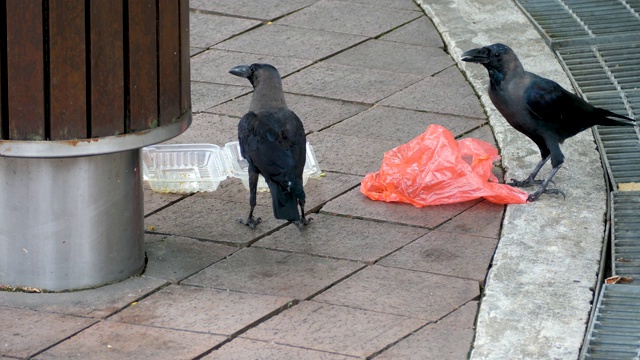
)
(366, 279)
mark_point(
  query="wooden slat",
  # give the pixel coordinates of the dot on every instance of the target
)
(25, 70)
(185, 57)
(107, 67)
(143, 70)
(67, 69)
(169, 60)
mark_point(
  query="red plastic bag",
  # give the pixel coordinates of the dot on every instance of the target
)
(435, 169)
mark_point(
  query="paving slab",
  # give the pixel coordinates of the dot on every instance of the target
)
(354, 203)
(483, 219)
(209, 29)
(316, 113)
(154, 201)
(205, 95)
(208, 128)
(396, 4)
(351, 83)
(264, 9)
(349, 17)
(449, 338)
(205, 217)
(23, 335)
(240, 349)
(201, 309)
(402, 292)
(345, 238)
(173, 258)
(98, 303)
(291, 42)
(356, 155)
(277, 273)
(394, 56)
(400, 125)
(445, 93)
(463, 256)
(333, 328)
(418, 32)
(213, 66)
(112, 340)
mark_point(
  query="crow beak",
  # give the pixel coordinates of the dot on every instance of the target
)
(242, 71)
(480, 56)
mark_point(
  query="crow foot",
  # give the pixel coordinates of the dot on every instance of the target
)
(250, 222)
(535, 195)
(302, 222)
(527, 182)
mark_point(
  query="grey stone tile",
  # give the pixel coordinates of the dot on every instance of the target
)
(270, 272)
(396, 57)
(341, 237)
(447, 93)
(97, 303)
(349, 17)
(354, 203)
(397, 4)
(208, 128)
(263, 9)
(438, 252)
(349, 83)
(173, 258)
(205, 95)
(205, 217)
(291, 42)
(213, 66)
(401, 292)
(449, 338)
(240, 349)
(201, 310)
(316, 113)
(317, 191)
(155, 200)
(112, 340)
(418, 32)
(483, 133)
(195, 50)
(399, 125)
(27, 332)
(208, 29)
(333, 328)
(349, 154)
(483, 219)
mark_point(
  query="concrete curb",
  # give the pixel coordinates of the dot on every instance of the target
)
(539, 290)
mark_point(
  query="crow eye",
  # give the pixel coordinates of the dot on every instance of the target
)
(496, 55)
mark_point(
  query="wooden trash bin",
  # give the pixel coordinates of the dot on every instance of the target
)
(83, 86)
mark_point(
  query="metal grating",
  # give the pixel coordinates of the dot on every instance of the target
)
(626, 234)
(614, 332)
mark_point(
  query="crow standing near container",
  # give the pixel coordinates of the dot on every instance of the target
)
(539, 108)
(273, 142)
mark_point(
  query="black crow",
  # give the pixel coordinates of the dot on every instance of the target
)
(539, 108)
(273, 142)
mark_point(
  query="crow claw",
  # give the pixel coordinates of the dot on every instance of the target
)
(302, 222)
(250, 222)
(535, 195)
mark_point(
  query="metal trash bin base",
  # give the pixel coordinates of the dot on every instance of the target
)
(71, 223)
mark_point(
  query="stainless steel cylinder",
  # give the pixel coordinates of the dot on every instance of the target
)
(71, 223)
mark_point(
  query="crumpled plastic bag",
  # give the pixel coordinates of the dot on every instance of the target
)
(435, 169)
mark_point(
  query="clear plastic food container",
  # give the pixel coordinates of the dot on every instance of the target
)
(190, 168)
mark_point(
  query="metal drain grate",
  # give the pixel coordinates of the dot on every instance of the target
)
(626, 234)
(614, 332)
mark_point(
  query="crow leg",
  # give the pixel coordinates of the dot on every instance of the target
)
(531, 180)
(253, 187)
(543, 188)
(303, 221)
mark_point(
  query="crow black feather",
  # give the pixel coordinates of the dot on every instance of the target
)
(539, 108)
(273, 141)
